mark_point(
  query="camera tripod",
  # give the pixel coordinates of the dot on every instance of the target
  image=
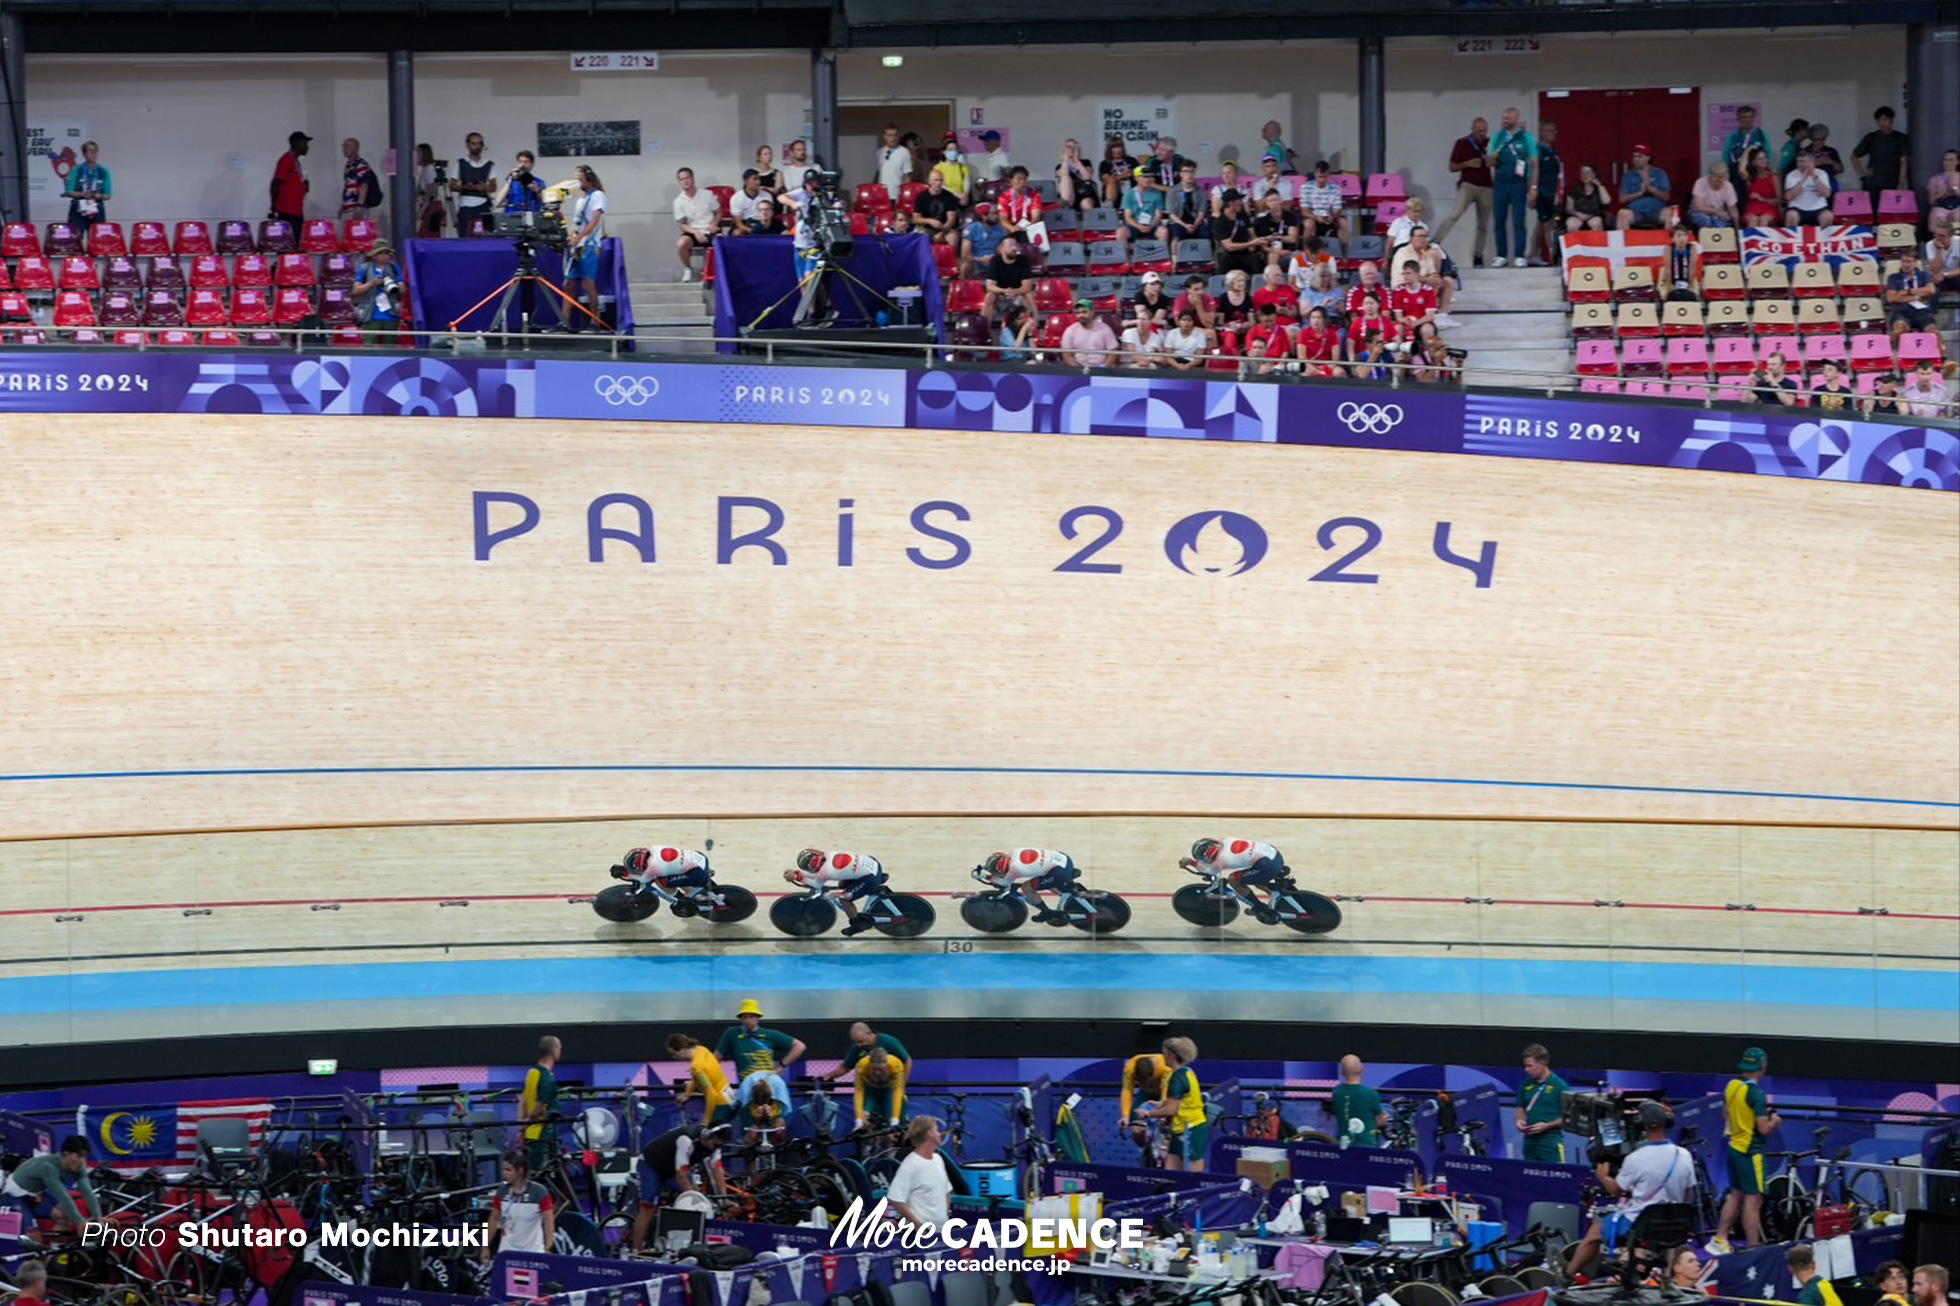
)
(811, 285)
(522, 288)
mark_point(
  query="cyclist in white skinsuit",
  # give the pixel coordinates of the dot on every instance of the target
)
(676, 869)
(1034, 869)
(1245, 862)
(850, 875)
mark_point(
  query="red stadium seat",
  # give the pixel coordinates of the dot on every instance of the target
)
(235, 238)
(252, 270)
(121, 273)
(860, 224)
(14, 309)
(358, 235)
(165, 275)
(162, 308)
(276, 236)
(1052, 329)
(62, 241)
(946, 259)
(132, 339)
(294, 270)
(347, 338)
(1053, 295)
(207, 308)
(293, 306)
(106, 240)
(79, 273)
(908, 192)
(319, 236)
(337, 306)
(1227, 357)
(149, 240)
(965, 296)
(6, 278)
(34, 274)
(177, 339)
(20, 240)
(120, 308)
(872, 197)
(209, 271)
(87, 336)
(251, 307)
(74, 308)
(221, 339)
(192, 239)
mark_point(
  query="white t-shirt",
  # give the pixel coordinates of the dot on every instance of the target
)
(923, 1186)
(520, 1216)
(1186, 344)
(741, 205)
(793, 174)
(1814, 192)
(894, 168)
(591, 204)
(702, 212)
(1657, 1172)
(994, 165)
(1132, 344)
(1935, 265)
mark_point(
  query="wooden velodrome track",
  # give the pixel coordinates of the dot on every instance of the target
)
(252, 663)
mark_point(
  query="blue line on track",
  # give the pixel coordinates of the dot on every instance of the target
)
(1133, 772)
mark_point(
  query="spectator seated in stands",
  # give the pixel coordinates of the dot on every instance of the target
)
(1943, 194)
(1367, 325)
(1010, 278)
(1909, 297)
(1681, 278)
(1829, 161)
(1943, 261)
(1323, 208)
(1017, 334)
(994, 165)
(770, 177)
(1411, 302)
(1586, 202)
(1832, 393)
(1318, 346)
(1266, 183)
(1197, 301)
(1429, 356)
(1884, 400)
(953, 172)
(1018, 206)
(1187, 209)
(1713, 200)
(1228, 180)
(1075, 179)
(1368, 282)
(1275, 292)
(1434, 270)
(1143, 208)
(1270, 341)
(1370, 355)
(1322, 294)
(979, 239)
(1412, 217)
(1276, 232)
(1763, 205)
(1773, 385)
(1235, 246)
(1115, 172)
(1644, 193)
(766, 222)
(1925, 396)
(901, 222)
(1152, 298)
(742, 204)
(1235, 307)
(1088, 341)
(1807, 194)
(936, 210)
(1165, 162)
(1185, 345)
(1141, 340)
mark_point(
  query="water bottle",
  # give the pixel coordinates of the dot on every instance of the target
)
(1319, 1223)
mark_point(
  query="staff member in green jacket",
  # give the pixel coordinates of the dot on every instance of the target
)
(1541, 1107)
(38, 1187)
(863, 1039)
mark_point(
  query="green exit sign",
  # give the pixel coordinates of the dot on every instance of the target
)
(322, 1066)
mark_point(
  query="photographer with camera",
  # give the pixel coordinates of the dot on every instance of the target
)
(1655, 1171)
(521, 192)
(378, 291)
(1749, 1118)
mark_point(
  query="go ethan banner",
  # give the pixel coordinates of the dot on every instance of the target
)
(1799, 444)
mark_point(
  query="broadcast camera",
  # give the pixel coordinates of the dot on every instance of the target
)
(442, 172)
(828, 219)
(1610, 1123)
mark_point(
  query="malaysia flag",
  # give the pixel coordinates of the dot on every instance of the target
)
(1793, 245)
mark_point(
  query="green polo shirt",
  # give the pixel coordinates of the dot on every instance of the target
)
(759, 1053)
(1357, 1102)
(893, 1049)
(1543, 1103)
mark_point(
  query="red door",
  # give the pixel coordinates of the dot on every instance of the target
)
(1602, 127)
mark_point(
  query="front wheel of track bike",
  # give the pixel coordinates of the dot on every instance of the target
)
(1112, 912)
(737, 904)
(1198, 905)
(1318, 914)
(915, 917)
(994, 913)
(622, 904)
(802, 916)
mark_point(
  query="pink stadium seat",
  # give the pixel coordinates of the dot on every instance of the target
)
(1640, 358)
(1789, 346)
(62, 241)
(1651, 388)
(1350, 187)
(1871, 353)
(1734, 357)
(1916, 346)
(1386, 186)
(1597, 358)
(1389, 210)
(79, 274)
(1818, 348)
(192, 239)
(149, 240)
(1898, 206)
(1852, 207)
(1687, 357)
(106, 240)
(319, 236)
(1599, 385)
(19, 240)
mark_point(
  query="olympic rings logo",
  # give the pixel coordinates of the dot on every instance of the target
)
(625, 390)
(1370, 419)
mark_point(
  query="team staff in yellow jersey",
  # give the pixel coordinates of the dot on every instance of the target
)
(538, 1100)
(705, 1079)
(1183, 1107)
(1750, 1117)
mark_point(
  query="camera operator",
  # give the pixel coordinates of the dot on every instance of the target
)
(1655, 1171)
(588, 231)
(378, 291)
(521, 192)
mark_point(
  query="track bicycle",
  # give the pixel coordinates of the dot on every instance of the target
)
(807, 914)
(1003, 908)
(1220, 899)
(638, 899)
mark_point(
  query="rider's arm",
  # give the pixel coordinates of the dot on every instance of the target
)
(684, 1164)
(899, 1074)
(1129, 1089)
(857, 1097)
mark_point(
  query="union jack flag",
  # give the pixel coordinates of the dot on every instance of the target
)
(1793, 245)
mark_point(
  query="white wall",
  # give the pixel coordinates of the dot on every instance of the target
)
(170, 127)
